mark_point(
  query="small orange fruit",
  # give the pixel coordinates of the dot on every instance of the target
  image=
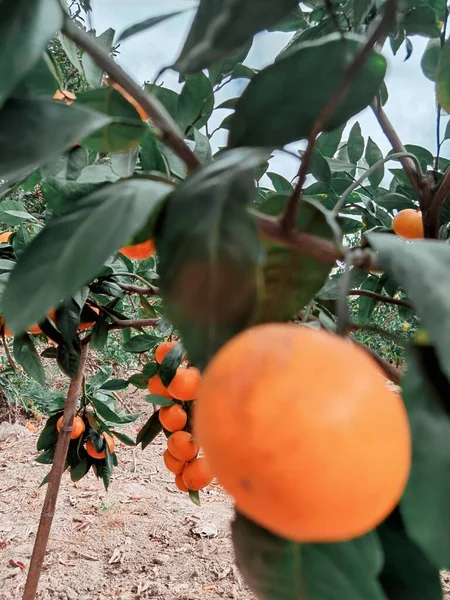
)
(92, 451)
(173, 418)
(197, 475)
(77, 428)
(163, 349)
(186, 383)
(182, 445)
(180, 483)
(139, 251)
(408, 224)
(4, 237)
(84, 326)
(309, 448)
(30, 426)
(156, 386)
(173, 464)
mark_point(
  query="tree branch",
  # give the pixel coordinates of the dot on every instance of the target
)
(380, 297)
(289, 217)
(392, 373)
(151, 290)
(442, 193)
(48, 509)
(161, 118)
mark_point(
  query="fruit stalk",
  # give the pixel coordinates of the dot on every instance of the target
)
(48, 508)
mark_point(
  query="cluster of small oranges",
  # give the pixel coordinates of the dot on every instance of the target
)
(181, 457)
(78, 428)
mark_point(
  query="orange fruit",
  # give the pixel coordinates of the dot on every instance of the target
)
(139, 251)
(142, 113)
(408, 224)
(182, 445)
(163, 349)
(173, 464)
(34, 329)
(173, 418)
(156, 386)
(84, 326)
(4, 237)
(180, 483)
(197, 475)
(185, 385)
(30, 426)
(300, 428)
(92, 451)
(77, 428)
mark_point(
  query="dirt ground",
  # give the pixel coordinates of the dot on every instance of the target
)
(141, 539)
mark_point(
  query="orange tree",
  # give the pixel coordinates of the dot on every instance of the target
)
(302, 443)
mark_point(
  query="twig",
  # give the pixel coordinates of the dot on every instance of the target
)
(124, 323)
(289, 217)
(392, 373)
(151, 290)
(342, 309)
(48, 509)
(170, 133)
(380, 297)
(9, 358)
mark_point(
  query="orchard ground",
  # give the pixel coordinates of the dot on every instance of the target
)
(141, 539)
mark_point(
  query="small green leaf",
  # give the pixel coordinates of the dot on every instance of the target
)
(373, 155)
(170, 364)
(139, 380)
(146, 24)
(151, 156)
(49, 435)
(394, 202)
(159, 400)
(93, 73)
(150, 369)
(367, 305)
(430, 59)
(115, 384)
(99, 335)
(292, 83)
(46, 458)
(26, 355)
(280, 183)
(123, 163)
(141, 343)
(355, 144)
(226, 66)
(79, 470)
(328, 142)
(319, 167)
(69, 357)
(194, 496)
(109, 415)
(196, 102)
(150, 430)
(124, 438)
(60, 193)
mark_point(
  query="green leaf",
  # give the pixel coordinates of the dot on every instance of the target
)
(419, 266)
(56, 126)
(202, 147)
(294, 21)
(355, 144)
(421, 21)
(39, 82)
(46, 458)
(71, 50)
(361, 9)
(49, 435)
(430, 59)
(424, 507)
(115, 384)
(225, 67)
(332, 289)
(319, 167)
(60, 193)
(292, 83)
(196, 102)
(109, 415)
(220, 26)
(277, 569)
(99, 335)
(141, 343)
(26, 355)
(291, 278)
(69, 357)
(280, 183)
(407, 573)
(373, 155)
(367, 305)
(209, 281)
(150, 430)
(167, 97)
(107, 467)
(72, 248)
(158, 400)
(150, 369)
(77, 160)
(194, 497)
(125, 128)
(13, 213)
(394, 202)
(151, 156)
(25, 28)
(146, 24)
(328, 142)
(443, 77)
(170, 364)
(79, 470)
(139, 380)
(124, 438)
(124, 163)
(93, 73)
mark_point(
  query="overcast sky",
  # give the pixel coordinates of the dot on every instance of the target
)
(411, 105)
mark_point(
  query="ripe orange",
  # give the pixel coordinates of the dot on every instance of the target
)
(300, 428)
(197, 475)
(92, 451)
(139, 251)
(182, 445)
(77, 429)
(4, 237)
(30, 426)
(408, 224)
(156, 386)
(180, 483)
(163, 349)
(185, 385)
(173, 464)
(173, 418)
(84, 326)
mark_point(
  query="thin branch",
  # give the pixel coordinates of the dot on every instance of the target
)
(124, 323)
(48, 509)
(151, 290)
(289, 217)
(380, 297)
(170, 133)
(7, 352)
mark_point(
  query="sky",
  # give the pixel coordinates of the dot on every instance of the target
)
(411, 104)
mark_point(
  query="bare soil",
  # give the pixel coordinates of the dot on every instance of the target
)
(141, 539)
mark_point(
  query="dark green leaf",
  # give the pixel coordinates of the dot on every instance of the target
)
(13, 213)
(430, 59)
(146, 24)
(40, 82)
(124, 438)
(367, 305)
(139, 380)
(209, 252)
(67, 319)
(109, 415)
(170, 364)
(25, 28)
(71, 49)
(294, 21)
(319, 167)
(151, 157)
(421, 21)
(93, 73)
(167, 97)
(222, 68)
(202, 147)
(425, 157)
(141, 343)
(77, 160)
(361, 9)
(355, 144)
(60, 193)
(373, 155)
(194, 497)
(394, 202)
(332, 288)
(46, 458)
(150, 369)
(115, 384)
(107, 467)
(196, 102)
(328, 142)
(69, 357)
(72, 248)
(26, 355)
(49, 435)
(124, 163)
(99, 335)
(293, 84)
(79, 470)
(125, 128)
(150, 430)
(158, 400)
(280, 183)
(220, 26)
(56, 126)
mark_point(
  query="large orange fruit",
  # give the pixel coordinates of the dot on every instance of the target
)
(139, 251)
(180, 483)
(77, 429)
(156, 386)
(92, 451)
(182, 445)
(4, 237)
(185, 385)
(163, 349)
(173, 464)
(173, 418)
(408, 224)
(197, 474)
(300, 428)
